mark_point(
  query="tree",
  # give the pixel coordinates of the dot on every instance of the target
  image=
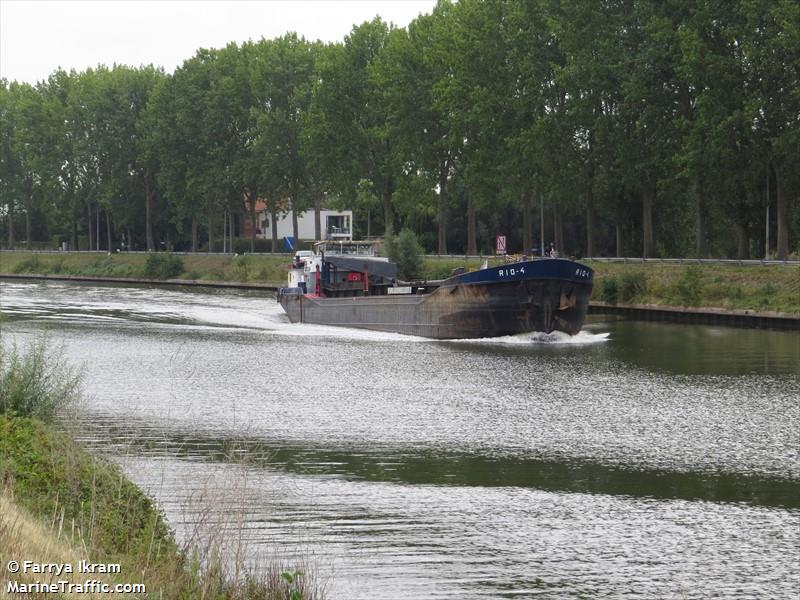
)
(416, 63)
(282, 76)
(346, 128)
(404, 250)
(770, 55)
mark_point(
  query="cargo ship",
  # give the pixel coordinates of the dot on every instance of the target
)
(346, 284)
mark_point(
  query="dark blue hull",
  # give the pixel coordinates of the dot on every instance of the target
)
(530, 270)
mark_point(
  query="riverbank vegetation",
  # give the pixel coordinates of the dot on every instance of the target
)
(62, 504)
(618, 128)
(728, 286)
(245, 268)
(756, 288)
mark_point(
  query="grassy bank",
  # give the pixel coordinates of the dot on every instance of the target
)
(737, 287)
(758, 288)
(245, 268)
(62, 504)
(729, 286)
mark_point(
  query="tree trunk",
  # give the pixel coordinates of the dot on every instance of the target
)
(232, 224)
(28, 210)
(10, 224)
(648, 201)
(318, 218)
(148, 213)
(273, 215)
(253, 225)
(109, 240)
(224, 230)
(252, 198)
(91, 225)
(590, 219)
(130, 239)
(74, 240)
(541, 224)
(194, 233)
(210, 233)
(743, 240)
(782, 248)
(619, 240)
(527, 221)
(388, 215)
(295, 228)
(558, 229)
(472, 226)
(701, 246)
(444, 168)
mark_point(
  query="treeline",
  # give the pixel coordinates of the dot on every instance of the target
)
(617, 127)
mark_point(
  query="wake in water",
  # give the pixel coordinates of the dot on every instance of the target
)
(279, 325)
(582, 338)
(157, 308)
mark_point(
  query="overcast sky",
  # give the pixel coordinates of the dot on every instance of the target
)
(38, 36)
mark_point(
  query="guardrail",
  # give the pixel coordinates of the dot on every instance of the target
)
(698, 261)
(632, 260)
(145, 252)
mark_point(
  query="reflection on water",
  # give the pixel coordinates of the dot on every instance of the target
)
(637, 459)
(713, 350)
(426, 467)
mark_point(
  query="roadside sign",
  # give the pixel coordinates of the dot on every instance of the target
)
(501, 244)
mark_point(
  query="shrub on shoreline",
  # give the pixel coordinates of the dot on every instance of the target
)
(36, 383)
(161, 265)
(609, 290)
(689, 287)
(632, 285)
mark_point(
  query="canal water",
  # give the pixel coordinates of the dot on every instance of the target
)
(636, 460)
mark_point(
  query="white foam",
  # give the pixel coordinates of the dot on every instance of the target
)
(349, 333)
(539, 337)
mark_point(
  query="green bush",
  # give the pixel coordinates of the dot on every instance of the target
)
(609, 290)
(28, 265)
(38, 383)
(405, 251)
(241, 265)
(766, 295)
(632, 285)
(690, 286)
(163, 266)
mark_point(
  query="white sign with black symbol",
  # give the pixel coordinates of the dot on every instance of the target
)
(501, 244)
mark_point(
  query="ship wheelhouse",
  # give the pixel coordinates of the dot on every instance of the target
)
(352, 268)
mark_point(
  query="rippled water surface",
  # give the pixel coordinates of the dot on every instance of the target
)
(634, 460)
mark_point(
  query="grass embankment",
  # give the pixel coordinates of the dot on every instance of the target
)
(728, 286)
(760, 288)
(246, 268)
(61, 504)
